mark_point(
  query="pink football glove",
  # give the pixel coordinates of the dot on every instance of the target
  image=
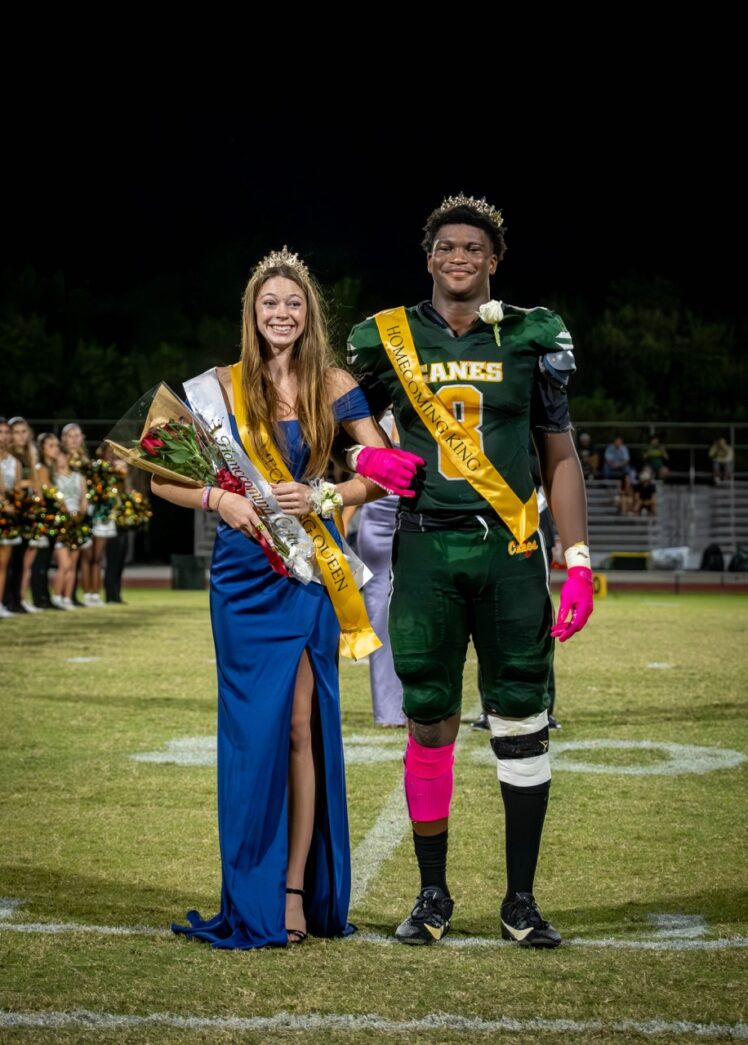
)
(576, 599)
(393, 470)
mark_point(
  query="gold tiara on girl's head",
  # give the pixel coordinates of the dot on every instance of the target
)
(281, 257)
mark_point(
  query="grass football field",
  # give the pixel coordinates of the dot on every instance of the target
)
(108, 834)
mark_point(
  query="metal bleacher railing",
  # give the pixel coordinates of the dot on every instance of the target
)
(692, 512)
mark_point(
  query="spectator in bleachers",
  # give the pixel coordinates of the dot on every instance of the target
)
(645, 493)
(625, 497)
(617, 460)
(723, 459)
(588, 455)
(656, 457)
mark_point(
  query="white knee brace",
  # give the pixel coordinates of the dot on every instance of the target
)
(521, 749)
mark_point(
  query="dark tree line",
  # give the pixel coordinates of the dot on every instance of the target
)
(70, 351)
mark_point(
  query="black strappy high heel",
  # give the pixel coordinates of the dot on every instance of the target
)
(298, 933)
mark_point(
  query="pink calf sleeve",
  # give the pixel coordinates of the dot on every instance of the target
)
(429, 780)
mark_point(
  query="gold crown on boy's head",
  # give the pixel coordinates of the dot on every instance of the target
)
(281, 257)
(481, 206)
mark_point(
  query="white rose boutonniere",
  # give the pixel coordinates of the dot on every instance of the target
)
(492, 313)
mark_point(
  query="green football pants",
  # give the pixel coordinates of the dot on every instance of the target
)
(453, 585)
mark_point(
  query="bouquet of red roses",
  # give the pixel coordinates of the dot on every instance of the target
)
(173, 442)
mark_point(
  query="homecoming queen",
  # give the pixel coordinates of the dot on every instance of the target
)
(282, 816)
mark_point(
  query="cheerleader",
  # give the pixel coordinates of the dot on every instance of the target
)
(103, 503)
(10, 478)
(72, 486)
(19, 575)
(48, 446)
(73, 443)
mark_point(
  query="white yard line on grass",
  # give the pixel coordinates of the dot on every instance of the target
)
(685, 926)
(616, 943)
(378, 844)
(349, 1022)
(724, 943)
(368, 748)
(678, 759)
(381, 840)
(56, 928)
(672, 935)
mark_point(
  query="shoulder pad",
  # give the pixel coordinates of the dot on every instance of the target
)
(558, 366)
(561, 360)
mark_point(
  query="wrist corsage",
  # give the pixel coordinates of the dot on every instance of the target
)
(325, 499)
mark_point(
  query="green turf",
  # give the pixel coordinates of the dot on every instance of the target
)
(90, 836)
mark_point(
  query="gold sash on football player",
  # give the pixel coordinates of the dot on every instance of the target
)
(357, 637)
(452, 438)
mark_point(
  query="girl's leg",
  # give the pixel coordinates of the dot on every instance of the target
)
(99, 543)
(5, 550)
(302, 791)
(86, 563)
(63, 564)
(28, 562)
(70, 574)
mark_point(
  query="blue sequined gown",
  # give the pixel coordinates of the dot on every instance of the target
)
(262, 623)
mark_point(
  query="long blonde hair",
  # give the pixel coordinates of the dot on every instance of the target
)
(27, 454)
(311, 358)
(79, 459)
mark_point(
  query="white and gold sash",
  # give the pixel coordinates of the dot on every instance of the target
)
(357, 637)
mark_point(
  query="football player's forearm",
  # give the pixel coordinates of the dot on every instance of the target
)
(563, 482)
(568, 500)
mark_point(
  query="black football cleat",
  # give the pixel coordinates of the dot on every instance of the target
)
(553, 722)
(522, 922)
(429, 919)
(481, 722)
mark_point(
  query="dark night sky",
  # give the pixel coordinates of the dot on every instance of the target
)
(114, 201)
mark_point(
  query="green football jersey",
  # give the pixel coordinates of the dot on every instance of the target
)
(488, 387)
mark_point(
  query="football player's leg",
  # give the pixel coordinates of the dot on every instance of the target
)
(512, 638)
(428, 632)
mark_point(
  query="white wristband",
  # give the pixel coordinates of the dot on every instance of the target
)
(577, 555)
(351, 456)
